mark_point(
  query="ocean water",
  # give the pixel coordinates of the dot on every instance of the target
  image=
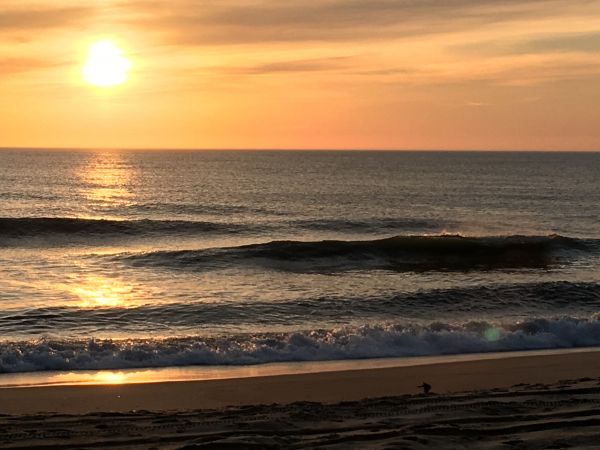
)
(124, 259)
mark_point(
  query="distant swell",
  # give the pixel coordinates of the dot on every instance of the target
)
(400, 253)
(374, 225)
(15, 228)
(393, 340)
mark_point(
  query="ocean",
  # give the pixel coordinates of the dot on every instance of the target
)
(136, 259)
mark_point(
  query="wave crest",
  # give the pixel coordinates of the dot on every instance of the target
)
(400, 253)
(374, 341)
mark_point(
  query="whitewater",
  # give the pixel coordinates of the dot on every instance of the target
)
(129, 259)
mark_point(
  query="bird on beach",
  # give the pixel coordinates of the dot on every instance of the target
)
(426, 387)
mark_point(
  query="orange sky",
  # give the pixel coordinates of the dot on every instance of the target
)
(386, 74)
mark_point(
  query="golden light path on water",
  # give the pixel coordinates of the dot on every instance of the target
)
(105, 184)
(98, 292)
(105, 178)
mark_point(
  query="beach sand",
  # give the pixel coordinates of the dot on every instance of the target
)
(542, 401)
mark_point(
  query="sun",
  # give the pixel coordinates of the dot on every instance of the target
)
(105, 65)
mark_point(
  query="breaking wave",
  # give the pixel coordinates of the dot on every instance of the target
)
(400, 253)
(375, 341)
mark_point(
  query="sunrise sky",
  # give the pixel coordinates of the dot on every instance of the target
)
(385, 74)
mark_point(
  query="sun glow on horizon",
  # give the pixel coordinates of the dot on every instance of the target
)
(105, 65)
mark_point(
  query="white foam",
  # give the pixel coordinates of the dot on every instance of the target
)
(375, 341)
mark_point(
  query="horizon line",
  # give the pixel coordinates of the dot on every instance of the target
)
(275, 149)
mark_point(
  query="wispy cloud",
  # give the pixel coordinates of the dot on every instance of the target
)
(569, 42)
(35, 18)
(242, 22)
(559, 42)
(293, 66)
(10, 66)
(473, 104)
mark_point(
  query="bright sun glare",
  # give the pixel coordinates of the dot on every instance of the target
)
(106, 66)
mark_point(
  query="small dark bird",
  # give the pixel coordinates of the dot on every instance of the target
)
(426, 387)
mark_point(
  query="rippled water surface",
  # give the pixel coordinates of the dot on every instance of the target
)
(140, 259)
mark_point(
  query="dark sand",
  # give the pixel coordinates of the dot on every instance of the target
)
(512, 403)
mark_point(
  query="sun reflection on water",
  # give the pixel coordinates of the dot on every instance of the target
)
(106, 180)
(98, 292)
(109, 378)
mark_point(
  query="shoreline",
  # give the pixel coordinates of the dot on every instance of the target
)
(145, 375)
(323, 387)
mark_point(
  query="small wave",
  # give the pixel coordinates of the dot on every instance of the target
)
(20, 196)
(488, 301)
(373, 225)
(374, 341)
(400, 253)
(192, 209)
(17, 228)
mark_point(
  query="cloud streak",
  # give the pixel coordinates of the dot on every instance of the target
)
(571, 42)
(41, 18)
(242, 22)
(11, 66)
(588, 42)
(291, 66)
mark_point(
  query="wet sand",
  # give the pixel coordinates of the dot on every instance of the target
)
(517, 402)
